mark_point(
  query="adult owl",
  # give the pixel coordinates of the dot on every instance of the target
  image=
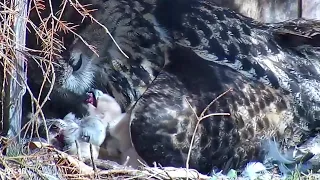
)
(178, 56)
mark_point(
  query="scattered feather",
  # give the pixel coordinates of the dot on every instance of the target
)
(255, 170)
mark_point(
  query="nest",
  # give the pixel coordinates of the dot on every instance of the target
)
(35, 160)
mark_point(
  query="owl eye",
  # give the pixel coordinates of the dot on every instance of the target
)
(76, 63)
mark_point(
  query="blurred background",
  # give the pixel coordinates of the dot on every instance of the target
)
(274, 10)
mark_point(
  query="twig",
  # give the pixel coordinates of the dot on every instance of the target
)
(213, 101)
(78, 149)
(199, 119)
(92, 160)
(299, 9)
(84, 12)
(165, 172)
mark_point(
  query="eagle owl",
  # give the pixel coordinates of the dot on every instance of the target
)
(181, 55)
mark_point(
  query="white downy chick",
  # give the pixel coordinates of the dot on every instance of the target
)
(117, 123)
(106, 107)
(102, 117)
(72, 132)
(93, 128)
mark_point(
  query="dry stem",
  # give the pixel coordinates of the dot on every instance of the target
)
(199, 119)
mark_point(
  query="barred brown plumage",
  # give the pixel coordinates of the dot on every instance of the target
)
(196, 50)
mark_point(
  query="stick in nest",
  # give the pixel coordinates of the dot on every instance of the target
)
(199, 119)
